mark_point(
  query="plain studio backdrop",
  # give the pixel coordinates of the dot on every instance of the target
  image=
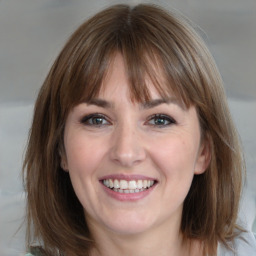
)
(32, 32)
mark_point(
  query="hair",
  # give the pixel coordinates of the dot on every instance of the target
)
(149, 39)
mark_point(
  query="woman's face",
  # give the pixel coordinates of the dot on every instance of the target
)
(132, 164)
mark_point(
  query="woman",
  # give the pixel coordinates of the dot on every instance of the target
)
(132, 149)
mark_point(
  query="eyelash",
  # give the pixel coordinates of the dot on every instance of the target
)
(164, 118)
(90, 120)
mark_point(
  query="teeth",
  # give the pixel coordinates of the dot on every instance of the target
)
(131, 186)
(139, 184)
(123, 184)
(106, 183)
(116, 184)
(111, 184)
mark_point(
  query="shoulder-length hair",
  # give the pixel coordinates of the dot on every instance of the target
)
(149, 39)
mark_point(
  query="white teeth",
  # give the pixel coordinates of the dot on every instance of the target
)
(111, 184)
(139, 184)
(106, 183)
(116, 184)
(131, 186)
(123, 184)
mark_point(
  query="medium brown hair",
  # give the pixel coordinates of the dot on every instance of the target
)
(147, 37)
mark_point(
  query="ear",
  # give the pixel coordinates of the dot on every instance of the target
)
(63, 164)
(63, 160)
(204, 156)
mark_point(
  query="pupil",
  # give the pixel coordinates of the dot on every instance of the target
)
(159, 121)
(98, 120)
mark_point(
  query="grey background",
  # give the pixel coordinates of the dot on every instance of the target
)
(32, 33)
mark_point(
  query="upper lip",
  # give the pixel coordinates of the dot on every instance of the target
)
(126, 177)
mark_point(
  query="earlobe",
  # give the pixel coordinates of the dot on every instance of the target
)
(63, 160)
(63, 164)
(204, 157)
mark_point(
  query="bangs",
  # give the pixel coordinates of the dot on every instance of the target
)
(142, 67)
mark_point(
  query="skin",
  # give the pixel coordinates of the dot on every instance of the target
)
(128, 139)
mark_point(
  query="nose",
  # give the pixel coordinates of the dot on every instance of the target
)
(127, 146)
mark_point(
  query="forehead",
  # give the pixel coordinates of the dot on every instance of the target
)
(142, 88)
(117, 78)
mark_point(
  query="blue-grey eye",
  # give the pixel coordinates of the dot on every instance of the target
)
(95, 120)
(161, 120)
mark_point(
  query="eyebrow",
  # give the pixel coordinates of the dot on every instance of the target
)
(157, 102)
(145, 105)
(100, 103)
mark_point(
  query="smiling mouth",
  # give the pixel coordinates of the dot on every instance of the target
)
(126, 187)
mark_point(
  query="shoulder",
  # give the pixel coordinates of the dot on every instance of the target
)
(243, 245)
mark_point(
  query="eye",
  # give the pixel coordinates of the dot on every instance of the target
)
(95, 120)
(161, 120)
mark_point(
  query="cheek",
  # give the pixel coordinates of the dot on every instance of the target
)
(176, 157)
(83, 160)
(175, 162)
(82, 155)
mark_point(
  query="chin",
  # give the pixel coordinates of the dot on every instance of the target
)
(131, 229)
(129, 224)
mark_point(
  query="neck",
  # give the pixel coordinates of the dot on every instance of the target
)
(136, 246)
(163, 242)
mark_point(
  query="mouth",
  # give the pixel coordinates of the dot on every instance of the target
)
(128, 186)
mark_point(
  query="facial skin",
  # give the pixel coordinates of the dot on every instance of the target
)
(158, 141)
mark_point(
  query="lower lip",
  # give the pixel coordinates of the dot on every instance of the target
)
(128, 196)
